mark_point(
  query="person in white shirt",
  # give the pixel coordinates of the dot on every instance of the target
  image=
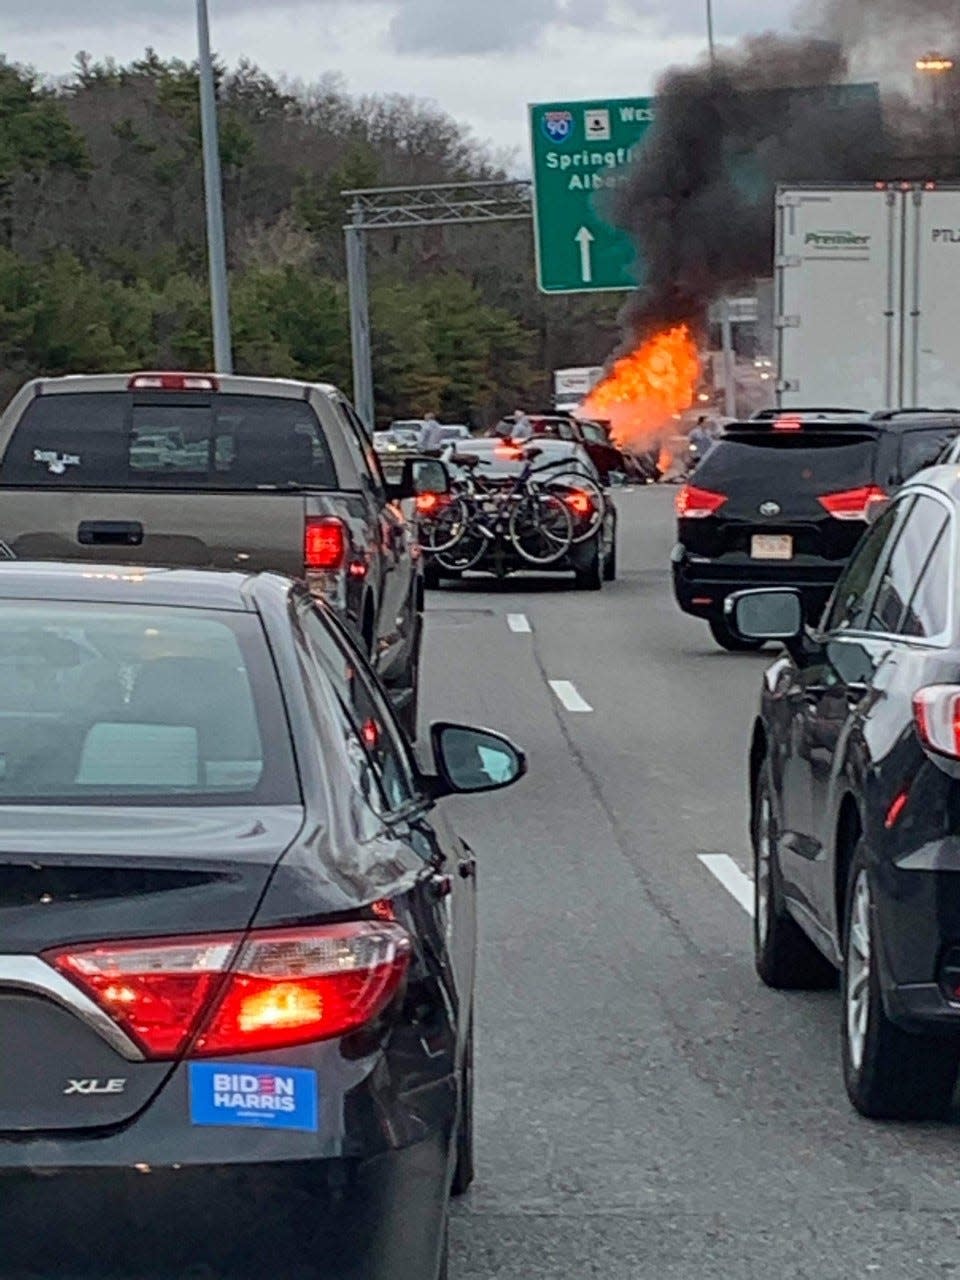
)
(431, 434)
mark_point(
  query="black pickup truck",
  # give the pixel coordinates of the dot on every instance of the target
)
(220, 472)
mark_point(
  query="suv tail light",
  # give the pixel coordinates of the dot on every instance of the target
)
(692, 503)
(324, 543)
(936, 713)
(173, 382)
(232, 995)
(852, 504)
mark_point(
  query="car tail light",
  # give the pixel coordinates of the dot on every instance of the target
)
(427, 504)
(693, 503)
(853, 504)
(173, 382)
(936, 714)
(324, 543)
(229, 995)
(580, 503)
(788, 424)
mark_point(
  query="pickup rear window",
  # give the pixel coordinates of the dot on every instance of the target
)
(119, 440)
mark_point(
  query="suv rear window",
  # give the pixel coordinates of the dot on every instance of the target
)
(116, 440)
(808, 463)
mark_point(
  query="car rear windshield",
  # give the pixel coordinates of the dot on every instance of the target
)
(118, 440)
(805, 463)
(111, 704)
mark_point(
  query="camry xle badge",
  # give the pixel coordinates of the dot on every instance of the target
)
(769, 508)
(95, 1086)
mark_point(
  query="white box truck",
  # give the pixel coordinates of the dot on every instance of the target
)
(570, 386)
(868, 296)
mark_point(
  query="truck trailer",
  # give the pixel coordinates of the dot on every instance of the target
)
(868, 295)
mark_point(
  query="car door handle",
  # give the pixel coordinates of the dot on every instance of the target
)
(110, 533)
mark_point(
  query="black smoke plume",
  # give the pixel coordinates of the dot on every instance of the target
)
(699, 199)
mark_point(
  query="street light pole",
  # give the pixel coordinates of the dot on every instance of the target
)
(213, 188)
(710, 40)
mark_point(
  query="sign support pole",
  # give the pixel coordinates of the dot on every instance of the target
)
(359, 292)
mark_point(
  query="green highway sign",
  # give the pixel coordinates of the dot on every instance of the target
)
(580, 151)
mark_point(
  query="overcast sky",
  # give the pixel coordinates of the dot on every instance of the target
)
(481, 60)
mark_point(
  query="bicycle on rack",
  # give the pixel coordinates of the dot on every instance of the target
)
(537, 514)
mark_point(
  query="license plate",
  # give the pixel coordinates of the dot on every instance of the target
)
(771, 546)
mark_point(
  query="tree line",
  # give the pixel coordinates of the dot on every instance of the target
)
(102, 248)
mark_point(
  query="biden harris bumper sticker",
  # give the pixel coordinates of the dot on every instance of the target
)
(255, 1097)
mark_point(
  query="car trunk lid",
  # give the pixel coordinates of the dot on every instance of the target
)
(72, 876)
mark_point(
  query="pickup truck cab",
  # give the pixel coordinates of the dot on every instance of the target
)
(219, 472)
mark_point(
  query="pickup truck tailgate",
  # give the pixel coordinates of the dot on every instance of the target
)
(245, 531)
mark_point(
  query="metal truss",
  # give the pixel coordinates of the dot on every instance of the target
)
(444, 204)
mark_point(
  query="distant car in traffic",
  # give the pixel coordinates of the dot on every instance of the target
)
(593, 436)
(238, 952)
(784, 500)
(854, 774)
(565, 468)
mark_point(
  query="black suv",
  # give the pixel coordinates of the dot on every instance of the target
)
(782, 501)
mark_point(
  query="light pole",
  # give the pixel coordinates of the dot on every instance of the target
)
(710, 40)
(936, 68)
(213, 189)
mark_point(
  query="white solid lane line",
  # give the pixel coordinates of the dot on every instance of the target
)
(737, 884)
(567, 693)
(519, 623)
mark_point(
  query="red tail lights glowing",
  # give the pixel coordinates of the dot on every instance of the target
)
(324, 543)
(853, 504)
(693, 503)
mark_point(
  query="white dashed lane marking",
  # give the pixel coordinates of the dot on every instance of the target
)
(519, 623)
(736, 883)
(568, 695)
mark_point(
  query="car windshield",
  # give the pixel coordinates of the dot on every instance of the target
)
(110, 704)
(116, 440)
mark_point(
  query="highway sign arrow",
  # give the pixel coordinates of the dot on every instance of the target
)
(585, 239)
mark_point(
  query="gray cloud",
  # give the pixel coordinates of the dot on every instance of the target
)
(432, 27)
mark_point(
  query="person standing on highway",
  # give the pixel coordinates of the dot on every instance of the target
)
(701, 435)
(431, 434)
(522, 426)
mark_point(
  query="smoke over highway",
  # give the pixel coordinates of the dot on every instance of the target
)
(698, 201)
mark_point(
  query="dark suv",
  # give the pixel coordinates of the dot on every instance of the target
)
(782, 501)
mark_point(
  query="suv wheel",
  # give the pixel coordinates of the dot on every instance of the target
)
(784, 956)
(726, 639)
(890, 1074)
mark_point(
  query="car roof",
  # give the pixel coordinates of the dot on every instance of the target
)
(942, 476)
(127, 584)
(231, 384)
(489, 444)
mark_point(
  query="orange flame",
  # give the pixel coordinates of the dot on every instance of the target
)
(647, 388)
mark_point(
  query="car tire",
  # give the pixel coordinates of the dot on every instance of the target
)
(431, 576)
(784, 956)
(589, 575)
(889, 1073)
(444, 1272)
(610, 564)
(726, 639)
(464, 1171)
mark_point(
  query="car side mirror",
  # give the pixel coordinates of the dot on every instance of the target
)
(420, 475)
(470, 760)
(766, 614)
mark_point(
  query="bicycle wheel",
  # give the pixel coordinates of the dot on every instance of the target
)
(466, 553)
(585, 499)
(442, 526)
(541, 528)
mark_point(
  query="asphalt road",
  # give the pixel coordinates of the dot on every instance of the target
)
(645, 1107)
